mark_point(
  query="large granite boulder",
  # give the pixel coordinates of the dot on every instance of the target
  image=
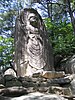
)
(33, 52)
(68, 65)
(10, 71)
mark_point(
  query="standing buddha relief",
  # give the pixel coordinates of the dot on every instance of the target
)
(33, 52)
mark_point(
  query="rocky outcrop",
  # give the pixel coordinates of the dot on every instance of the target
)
(70, 65)
(38, 87)
(67, 65)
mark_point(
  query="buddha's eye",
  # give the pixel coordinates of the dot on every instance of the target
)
(34, 21)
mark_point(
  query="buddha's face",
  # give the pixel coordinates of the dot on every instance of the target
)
(33, 23)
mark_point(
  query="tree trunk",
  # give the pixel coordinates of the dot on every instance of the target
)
(71, 15)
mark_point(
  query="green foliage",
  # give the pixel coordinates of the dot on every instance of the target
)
(6, 51)
(8, 11)
(62, 37)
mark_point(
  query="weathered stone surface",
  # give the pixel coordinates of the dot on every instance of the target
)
(13, 91)
(35, 96)
(63, 86)
(26, 81)
(1, 79)
(61, 91)
(52, 74)
(49, 74)
(73, 85)
(10, 71)
(61, 81)
(68, 65)
(10, 81)
(2, 86)
(4, 98)
(45, 82)
(40, 96)
(33, 52)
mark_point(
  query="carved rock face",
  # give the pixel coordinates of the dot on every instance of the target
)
(33, 51)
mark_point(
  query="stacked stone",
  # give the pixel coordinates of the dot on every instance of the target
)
(48, 83)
